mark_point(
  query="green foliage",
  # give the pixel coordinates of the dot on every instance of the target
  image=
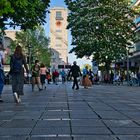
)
(101, 28)
(36, 43)
(24, 13)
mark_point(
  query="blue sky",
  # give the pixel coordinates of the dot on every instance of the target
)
(71, 57)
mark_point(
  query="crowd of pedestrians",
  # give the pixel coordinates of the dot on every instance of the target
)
(41, 75)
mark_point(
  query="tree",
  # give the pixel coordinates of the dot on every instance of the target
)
(101, 28)
(24, 13)
(35, 44)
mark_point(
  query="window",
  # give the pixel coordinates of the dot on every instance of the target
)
(59, 15)
(58, 31)
(58, 45)
(59, 38)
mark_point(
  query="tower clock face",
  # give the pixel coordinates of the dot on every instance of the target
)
(58, 23)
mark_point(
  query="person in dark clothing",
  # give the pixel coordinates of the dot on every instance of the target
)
(111, 77)
(17, 62)
(75, 73)
(2, 61)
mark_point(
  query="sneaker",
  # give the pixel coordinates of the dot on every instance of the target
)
(19, 100)
(40, 89)
(1, 101)
(16, 97)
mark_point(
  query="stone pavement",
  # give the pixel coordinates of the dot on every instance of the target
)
(59, 113)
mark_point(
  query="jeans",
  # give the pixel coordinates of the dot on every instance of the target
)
(75, 82)
(1, 81)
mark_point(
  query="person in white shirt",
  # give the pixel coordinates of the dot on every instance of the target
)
(2, 60)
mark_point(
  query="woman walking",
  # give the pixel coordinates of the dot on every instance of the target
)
(43, 72)
(86, 81)
(36, 75)
(17, 62)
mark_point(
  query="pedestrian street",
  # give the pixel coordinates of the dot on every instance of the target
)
(102, 112)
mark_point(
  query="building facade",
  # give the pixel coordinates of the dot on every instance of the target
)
(135, 58)
(58, 36)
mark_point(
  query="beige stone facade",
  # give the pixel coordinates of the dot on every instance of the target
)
(58, 36)
(10, 35)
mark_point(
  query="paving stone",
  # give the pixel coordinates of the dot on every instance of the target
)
(6, 115)
(126, 131)
(84, 116)
(13, 137)
(82, 111)
(128, 137)
(57, 108)
(90, 130)
(33, 117)
(51, 131)
(132, 114)
(120, 123)
(95, 137)
(19, 124)
(55, 117)
(54, 123)
(50, 138)
(111, 115)
(52, 113)
(55, 114)
(14, 131)
(87, 122)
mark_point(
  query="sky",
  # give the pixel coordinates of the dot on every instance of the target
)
(71, 57)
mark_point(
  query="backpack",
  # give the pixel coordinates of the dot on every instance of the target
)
(16, 65)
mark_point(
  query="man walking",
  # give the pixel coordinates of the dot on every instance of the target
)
(75, 73)
(2, 60)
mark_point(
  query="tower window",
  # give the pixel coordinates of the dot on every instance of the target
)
(59, 15)
(58, 31)
(58, 45)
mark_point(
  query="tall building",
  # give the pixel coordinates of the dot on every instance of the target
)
(136, 54)
(58, 36)
(137, 22)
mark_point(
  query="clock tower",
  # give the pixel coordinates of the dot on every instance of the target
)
(58, 36)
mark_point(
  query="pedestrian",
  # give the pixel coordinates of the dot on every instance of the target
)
(2, 61)
(91, 75)
(43, 72)
(86, 81)
(111, 77)
(56, 77)
(75, 73)
(36, 75)
(138, 77)
(63, 76)
(48, 77)
(17, 62)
